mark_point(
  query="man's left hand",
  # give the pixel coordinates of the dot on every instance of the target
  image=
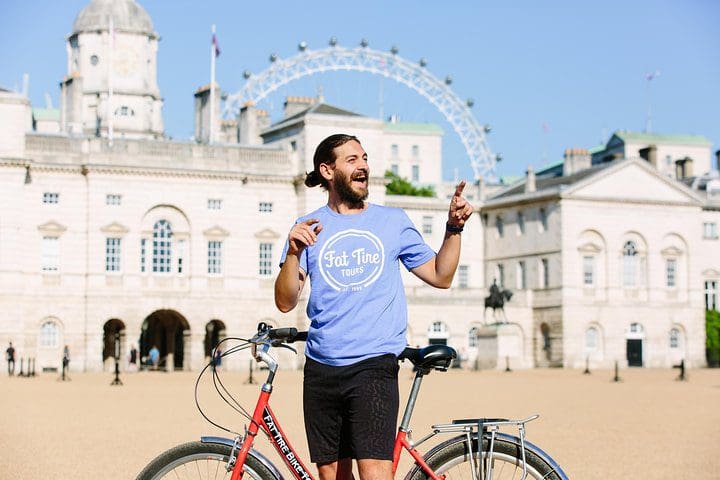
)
(460, 208)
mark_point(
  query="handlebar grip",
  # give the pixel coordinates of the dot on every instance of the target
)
(287, 334)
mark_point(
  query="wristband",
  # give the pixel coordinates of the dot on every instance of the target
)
(453, 228)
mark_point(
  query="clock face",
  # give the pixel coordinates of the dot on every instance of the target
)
(125, 62)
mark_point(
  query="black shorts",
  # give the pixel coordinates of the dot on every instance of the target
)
(351, 411)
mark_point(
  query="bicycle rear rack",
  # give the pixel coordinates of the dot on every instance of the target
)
(481, 426)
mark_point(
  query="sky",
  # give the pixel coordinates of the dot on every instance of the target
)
(545, 75)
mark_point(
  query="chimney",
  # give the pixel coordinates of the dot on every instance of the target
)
(683, 168)
(530, 180)
(251, 121)
(649, 154)
(717, 160)
(295, 105)
(202, 113)
(576, 159)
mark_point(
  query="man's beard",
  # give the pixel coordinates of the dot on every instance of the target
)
(343, 186)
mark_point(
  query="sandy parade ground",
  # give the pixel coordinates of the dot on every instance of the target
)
(648, 426)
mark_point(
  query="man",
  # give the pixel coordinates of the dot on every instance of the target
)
(10, 352)
(358, 314)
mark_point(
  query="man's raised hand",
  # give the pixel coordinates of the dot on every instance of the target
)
(302, 235)
(460, 208)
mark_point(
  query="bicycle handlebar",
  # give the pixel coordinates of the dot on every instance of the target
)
(287, 335)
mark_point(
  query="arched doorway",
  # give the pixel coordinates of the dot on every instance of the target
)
(170, 333)
(214, 332)
(111, 329)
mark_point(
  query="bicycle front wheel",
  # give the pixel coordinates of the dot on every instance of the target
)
(453, 460)
(201, 461)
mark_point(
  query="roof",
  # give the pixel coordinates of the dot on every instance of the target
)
(626, 137)
(46, 114)
(405, 127)
(545, 183)
(321, 108)
(127, 16)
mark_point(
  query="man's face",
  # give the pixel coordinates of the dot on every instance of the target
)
(351, 174)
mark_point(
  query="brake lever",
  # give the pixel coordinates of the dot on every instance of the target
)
(285, 345)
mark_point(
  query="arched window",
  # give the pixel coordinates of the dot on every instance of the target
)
(162, 243)
(473, 338)
(674, 338)
(49, 335)
(630, 264)
(591, 339)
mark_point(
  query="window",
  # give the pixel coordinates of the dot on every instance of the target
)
(630, 264)
(671, 272)
(394, 169)
(543, 220)
(521, 223)
(50, 254)
(214, 257)
(394, 150)
(520, 276)
(709, 230)
(49, 335)
(437, 327)
(293, 145)
(500, 274)
(588, 270)
(711, 295)
(499, 226)
(214, 204)
(113, 199)
(415, 151)
(94, 60)
(416, 173)
(180, 255)
(463, 276)
(51, 197)
(427, 224)
(125, 111)
(112, 254)
(544, 273)
(162, 243)
(143, 244)
(265, 259)
(473, 338)
(265, 207)
(591, 339)
(674, 338)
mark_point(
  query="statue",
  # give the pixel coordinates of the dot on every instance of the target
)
(497, 300)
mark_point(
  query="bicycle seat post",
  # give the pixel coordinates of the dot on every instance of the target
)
(414, 391)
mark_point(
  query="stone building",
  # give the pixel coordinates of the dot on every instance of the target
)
(108, 229)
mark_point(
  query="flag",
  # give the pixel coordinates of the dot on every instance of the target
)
(649, 76)
(215, 46)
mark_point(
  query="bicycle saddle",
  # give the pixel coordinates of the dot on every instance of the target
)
(436, 357)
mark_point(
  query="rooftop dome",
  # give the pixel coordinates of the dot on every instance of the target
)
(127, 15)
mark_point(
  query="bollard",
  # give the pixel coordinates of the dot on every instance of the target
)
(117, 381)
(250, 380)
(617, 374)
(681, 366)
(32, 373)
(507, 364)
(587, 366)
(22, 363)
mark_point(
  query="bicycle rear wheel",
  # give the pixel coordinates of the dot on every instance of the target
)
(200, 461)
(452, 459)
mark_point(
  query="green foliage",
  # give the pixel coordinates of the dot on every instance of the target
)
(400, 186)
(712, 337)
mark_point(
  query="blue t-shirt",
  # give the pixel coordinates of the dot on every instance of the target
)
(357, 305)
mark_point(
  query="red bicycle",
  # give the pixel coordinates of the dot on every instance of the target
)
(478, 450)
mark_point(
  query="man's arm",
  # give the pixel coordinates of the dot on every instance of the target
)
(291, 279)
(440, 270)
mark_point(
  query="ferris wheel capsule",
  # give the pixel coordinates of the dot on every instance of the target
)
(302, 46)
(247, 74)
(364, 43)
(394, 50)
(273, 57)
(333, 41)
(423, 62)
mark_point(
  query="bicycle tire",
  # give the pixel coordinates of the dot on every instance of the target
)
(199, 460)
(451, 459)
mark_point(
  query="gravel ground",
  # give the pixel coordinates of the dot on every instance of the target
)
(647, 426)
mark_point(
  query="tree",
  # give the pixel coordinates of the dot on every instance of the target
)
(712, 342)
(401, 186)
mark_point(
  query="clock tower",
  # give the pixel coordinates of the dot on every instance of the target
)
(111, 87)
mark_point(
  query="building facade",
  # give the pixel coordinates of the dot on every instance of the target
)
(108, 230)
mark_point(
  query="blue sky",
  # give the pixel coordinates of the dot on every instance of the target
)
(577, 67)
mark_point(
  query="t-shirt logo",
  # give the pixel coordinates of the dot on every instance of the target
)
(351, 259)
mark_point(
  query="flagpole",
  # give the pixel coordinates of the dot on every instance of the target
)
(110, 113)
(211, 136)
